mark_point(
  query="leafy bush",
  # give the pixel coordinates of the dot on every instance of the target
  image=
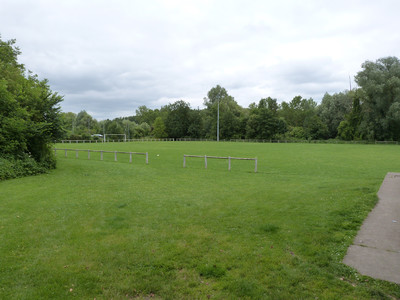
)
(25, 165)
(29, 118)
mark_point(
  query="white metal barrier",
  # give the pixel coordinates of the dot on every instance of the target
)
(101, 153)
(229, 158)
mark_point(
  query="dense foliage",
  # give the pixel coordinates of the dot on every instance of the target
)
(29, 117)
(370, 112)
(380, 101)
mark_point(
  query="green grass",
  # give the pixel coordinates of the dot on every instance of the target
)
(115, 230)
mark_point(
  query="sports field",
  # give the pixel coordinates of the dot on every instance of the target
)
(96, 229)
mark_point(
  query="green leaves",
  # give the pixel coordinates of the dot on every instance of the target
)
(230, 114)
(159, 128)
(263, 122)
(29, 110)
(178, 120)
(380, 82)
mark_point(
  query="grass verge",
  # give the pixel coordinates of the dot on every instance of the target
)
(105, 229)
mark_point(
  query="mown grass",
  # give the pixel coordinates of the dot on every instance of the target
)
(115, 230)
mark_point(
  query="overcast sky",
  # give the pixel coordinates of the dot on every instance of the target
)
(110, 57)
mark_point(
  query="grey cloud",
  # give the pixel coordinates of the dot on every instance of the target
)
(110, 59)
(303, 72)
(105, 106)
(77, 84)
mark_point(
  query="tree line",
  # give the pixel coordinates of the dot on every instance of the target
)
(369, 112)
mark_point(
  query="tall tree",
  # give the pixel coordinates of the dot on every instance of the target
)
(30, 112)
(196, 129)
(229, 114)
(264, 122)
(159, 128)
(178, 119)
(380, 82)
(348, 129)
(69, 122)
(301, 116)
(296, 111)
(333, 110)
(86, 125)
(145, 114)
(129, 127)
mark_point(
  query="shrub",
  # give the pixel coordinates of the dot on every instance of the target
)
(11, 167)
(29, 118)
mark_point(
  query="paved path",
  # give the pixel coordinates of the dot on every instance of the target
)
(376, 249)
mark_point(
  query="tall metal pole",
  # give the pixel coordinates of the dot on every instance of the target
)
(218, 123)
(104, 132)
(350, 82)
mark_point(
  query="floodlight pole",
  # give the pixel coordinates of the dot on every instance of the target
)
(350, 82)
(218, 123)
(104, 132)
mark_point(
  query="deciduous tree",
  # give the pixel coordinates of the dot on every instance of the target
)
(264, 122)
(380, 82)
(229, 113)
(29, 111)
(333, 110)
(159, 128)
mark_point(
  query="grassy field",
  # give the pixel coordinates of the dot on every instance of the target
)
(96, 229)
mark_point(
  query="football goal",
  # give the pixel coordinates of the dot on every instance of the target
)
(114, 134)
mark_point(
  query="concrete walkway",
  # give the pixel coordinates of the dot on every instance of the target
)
(376, 249)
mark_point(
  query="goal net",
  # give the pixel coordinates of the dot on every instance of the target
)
(113, 137)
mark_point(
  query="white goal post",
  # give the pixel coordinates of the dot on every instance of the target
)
(108, 134)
